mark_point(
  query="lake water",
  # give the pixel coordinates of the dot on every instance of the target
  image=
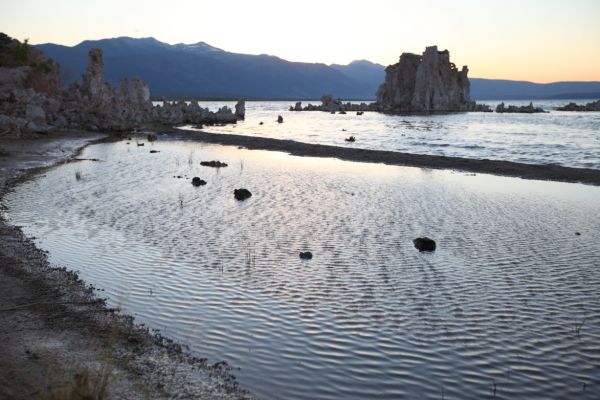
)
(506, 307)
(566, 138)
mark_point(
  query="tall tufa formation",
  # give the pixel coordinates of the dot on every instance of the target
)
(425, 84)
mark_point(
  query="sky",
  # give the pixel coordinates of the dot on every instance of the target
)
(534, 40)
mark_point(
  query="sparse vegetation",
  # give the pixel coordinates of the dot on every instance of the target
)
(250, 258)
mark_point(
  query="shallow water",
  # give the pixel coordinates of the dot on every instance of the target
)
(565, 138)
(507, 306)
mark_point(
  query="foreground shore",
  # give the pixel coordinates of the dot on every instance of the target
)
(57, 337)
(504, 168)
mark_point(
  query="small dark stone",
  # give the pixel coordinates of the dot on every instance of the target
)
(241, 194)
(197, 181)
(577, 234)
(351, 139)
(214, 164)
(342, 112)
(359, 113)
(280, 119)
(332, 112)
(305, 255)
(424, 244)
(154, 151)
(260, 123)
(140, 144)
(129, 139)
(179, 176)
(151, 137)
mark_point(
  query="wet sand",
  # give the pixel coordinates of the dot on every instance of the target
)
(55, 329)
(504, 168)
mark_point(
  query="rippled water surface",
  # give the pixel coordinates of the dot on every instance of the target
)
(565, 138)
(508, 305)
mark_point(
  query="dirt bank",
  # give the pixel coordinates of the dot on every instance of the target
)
(505, 168)
(57, 337)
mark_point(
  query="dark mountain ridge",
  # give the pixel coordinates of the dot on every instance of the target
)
(203, 71)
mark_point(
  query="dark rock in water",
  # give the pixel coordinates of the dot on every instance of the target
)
(197, 181)
(214, 164)
(151, 137)
(179, 176)
(424, 244)
(529, 109)
(351, 139)
(129, 139)
(280, 119)
(359, 112)
(261, 123)
(593, 106)
(140, 144)
(577, 234)
(240, 110)
(154, 151)
(343, 130)
(332, 112)
(342, 112)
(305, 255)
(241, 194)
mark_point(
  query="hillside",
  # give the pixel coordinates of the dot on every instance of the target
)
(202, 71)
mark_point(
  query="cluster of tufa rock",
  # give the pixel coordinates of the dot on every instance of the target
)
(32, 101)
(329, 104)
(425, 84)
(528, 109)
(593, 106)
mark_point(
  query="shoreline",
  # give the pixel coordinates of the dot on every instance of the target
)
(55, 330)
(495, 167)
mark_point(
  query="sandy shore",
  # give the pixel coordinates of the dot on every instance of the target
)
(57, 336)
(505, 168)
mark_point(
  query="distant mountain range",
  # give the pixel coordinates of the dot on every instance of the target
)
(202, 71)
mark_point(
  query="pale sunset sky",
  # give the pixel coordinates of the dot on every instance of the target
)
(535, 40)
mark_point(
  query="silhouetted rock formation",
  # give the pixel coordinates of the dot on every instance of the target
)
(528, 109)
(240, 110)
(31, 99)
(425, 84)
(306, 255)
(593, 106)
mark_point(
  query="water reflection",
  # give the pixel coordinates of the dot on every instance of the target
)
(564, 138)
(368, 316)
